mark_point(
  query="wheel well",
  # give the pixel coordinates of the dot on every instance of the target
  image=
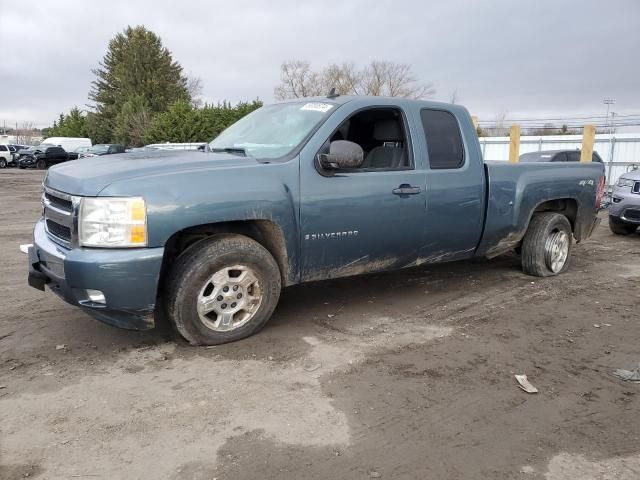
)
(265, 232)
(566, 206)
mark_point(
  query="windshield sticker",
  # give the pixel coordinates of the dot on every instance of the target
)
(317, 107)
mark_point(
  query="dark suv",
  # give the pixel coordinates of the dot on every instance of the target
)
(43, 157)
(103, 149)
(556, 156)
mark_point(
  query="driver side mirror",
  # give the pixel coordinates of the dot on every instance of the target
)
(342, 155)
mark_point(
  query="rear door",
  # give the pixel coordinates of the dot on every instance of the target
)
(455, 186)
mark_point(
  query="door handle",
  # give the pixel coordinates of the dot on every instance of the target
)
(406, 189)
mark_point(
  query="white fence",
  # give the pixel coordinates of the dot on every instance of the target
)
(622, 148)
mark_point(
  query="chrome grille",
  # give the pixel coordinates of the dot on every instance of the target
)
(60, 213)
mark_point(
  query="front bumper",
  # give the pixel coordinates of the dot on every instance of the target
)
(28, 162)
(128, 278)
(625, 205)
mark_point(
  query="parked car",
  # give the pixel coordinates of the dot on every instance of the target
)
(556, 156)
(70, 144)
(624, 209)
(5, 155)
(303, 190)
(81, 151)
(44, 156)
(103, 149)
(15, 152)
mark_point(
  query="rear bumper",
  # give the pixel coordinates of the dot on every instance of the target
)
(128, 278)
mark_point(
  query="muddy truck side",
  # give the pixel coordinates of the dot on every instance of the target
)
(305, 190)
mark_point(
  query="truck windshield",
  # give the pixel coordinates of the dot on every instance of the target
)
(272, 131)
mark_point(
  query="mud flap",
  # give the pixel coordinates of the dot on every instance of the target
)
(36, 278)
(595, 224)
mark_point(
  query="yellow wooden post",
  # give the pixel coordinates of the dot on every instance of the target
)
(514, 144)
(474, 119)
(588, 139)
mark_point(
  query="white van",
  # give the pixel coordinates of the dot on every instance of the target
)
(68, 143)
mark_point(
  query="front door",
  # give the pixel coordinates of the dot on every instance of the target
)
(363, 219)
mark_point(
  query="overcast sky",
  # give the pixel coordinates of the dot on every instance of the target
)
(538, 58)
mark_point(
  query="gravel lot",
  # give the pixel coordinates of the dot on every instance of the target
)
(404, 375)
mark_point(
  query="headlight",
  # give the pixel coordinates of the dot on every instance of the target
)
(625, 182)
(112, 222)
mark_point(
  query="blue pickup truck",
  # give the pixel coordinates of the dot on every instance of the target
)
(298, 191)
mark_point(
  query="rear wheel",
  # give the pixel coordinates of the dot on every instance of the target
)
(619, 227)
(546, 246)
(222, 289)
(41, 164)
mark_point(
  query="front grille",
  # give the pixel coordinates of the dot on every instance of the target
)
(58, 202)
(632, 214)
(59, 215)
(59, 231)
(636, 188)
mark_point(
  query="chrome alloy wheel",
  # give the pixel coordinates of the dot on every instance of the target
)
(556, 250)
(229, 299)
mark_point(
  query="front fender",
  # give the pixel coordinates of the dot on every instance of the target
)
(185, 199)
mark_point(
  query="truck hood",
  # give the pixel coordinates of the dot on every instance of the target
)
(89, 176)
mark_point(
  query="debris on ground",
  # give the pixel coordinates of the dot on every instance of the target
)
(61, 347)
(525, 385)
(313, 368)
(628, 375)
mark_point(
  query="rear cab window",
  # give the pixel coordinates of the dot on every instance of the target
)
(444, 139)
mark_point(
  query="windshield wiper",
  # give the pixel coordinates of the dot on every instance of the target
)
(231, 150)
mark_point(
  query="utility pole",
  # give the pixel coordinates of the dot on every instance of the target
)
(608, 102)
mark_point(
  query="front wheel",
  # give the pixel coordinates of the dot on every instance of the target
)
(222, 289)
(3, 163)
(546, 246)
(620, 228)
(41, 164)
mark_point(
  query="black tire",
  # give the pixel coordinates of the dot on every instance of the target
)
(534, 251)
(619, 227)
(41, 164)
(193, 269)
(3, 163)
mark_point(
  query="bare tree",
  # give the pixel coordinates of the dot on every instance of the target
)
(139, 123)
(25, 134)
(194, 87)
(379, 78)
(297, 80)
(546, 129)
(498, 128)
(345, 78)
(453, 96)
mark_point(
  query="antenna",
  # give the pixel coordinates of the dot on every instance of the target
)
(332, 93)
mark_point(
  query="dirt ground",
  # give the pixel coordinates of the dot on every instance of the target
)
(406, 375)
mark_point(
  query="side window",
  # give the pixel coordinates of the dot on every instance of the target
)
(444, 141)
(564, 157)
(3, 148)
(382, 135)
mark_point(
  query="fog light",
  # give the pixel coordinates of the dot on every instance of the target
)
(95, 296)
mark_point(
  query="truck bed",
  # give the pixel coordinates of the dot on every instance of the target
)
(516, 191)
